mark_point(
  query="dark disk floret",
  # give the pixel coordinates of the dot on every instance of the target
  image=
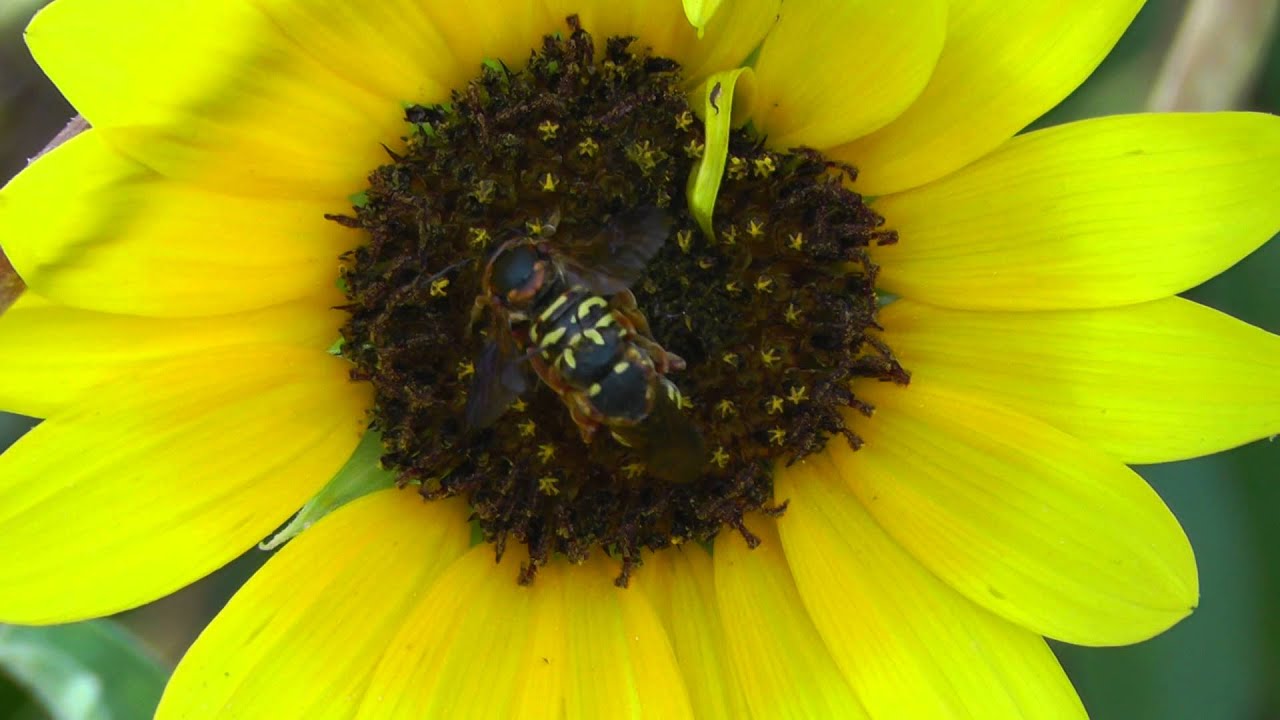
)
(729, 355)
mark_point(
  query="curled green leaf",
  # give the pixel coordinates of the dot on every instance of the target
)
(362, 475)
(717, 95)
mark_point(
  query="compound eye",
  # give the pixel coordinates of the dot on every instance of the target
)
(513, 268)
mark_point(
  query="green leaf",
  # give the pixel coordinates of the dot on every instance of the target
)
(362, 475)
(92, 670)
(717, 113)
(360, 199)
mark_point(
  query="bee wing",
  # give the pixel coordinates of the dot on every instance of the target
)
(499, 380)
(668, 441)
(617, 256)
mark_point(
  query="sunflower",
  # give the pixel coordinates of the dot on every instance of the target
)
(907, 352)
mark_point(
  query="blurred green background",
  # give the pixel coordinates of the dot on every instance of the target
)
(1223, 663)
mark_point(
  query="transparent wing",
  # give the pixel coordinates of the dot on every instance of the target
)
(668, 441)
(500, 379)
(615, 258)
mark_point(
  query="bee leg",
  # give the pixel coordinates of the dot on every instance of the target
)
(625, 303)
(552, 379)
(477, 312)
(663, 361)
(586, 426)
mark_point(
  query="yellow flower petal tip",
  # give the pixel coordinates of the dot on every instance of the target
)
(1002, 66)
(1159, 204)
(1022, 518)
(700, 12)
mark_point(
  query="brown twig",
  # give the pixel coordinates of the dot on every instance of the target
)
(1215, 56)
(11, 286)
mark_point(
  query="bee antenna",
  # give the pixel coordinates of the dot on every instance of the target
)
(450, 268)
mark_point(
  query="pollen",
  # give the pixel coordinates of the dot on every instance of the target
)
(548, 129)
(549, 485)
(798, 394)
(764, 166)
(549, 183)
(720, 457)
(684, 240)
(483, 191)
(466, 369)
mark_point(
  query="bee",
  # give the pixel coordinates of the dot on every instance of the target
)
(574, 322)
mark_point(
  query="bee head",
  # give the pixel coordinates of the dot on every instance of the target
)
(516, 272)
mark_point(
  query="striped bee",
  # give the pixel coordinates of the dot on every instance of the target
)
(576, 325)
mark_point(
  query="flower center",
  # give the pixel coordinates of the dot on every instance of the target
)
(551, 336)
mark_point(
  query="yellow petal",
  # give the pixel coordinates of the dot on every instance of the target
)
(217, 93)
(619, 661)
(167, 472)
(910, 646)
(776, 655)
(1003, 65)
(392, 48)
(831, 72)
(661, 25)
(128, 83)
(734, 31)
(414, 51)
(1156, 382)
(320, 614)
(52, 355)
(1018, 516)
(1099, 213)
(461, 648)
(87, 227)
(571, 645)
(700, 12)
(681, 588)
(489, 29)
